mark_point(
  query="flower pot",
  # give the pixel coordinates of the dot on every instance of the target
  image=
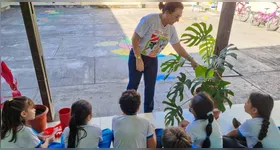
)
(64, 116)
(40, 122)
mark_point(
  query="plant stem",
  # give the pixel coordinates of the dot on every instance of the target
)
(185, 102)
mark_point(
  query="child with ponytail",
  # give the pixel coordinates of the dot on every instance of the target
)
(14, 132)
(204, 130)
(80, 134)
(260, 131)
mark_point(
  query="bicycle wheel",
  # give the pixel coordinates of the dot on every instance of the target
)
(254, 21)
(273, 24)
(244, 14)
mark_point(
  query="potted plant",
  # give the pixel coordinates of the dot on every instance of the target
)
(40, 122)
(208, 76)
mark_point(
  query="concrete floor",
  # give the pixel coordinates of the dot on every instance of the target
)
(86, 52)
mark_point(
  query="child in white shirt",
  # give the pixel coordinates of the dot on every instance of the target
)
(260, 131)
(80, 134)
(131, 131)
(204, 130)
(14, 132)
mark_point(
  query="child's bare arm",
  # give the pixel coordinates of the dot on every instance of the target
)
(233, 133)
(152, 142)
(47, 142)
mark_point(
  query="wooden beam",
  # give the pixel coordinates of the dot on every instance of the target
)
(225, 25)
(33, 36)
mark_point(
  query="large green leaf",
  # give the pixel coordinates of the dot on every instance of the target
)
(178, 89)
(202, 71)
(172, 65)
(174, 112)
(196, 33)
(206, 48)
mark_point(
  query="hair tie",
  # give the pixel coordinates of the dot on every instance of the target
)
(10, 99)
(210, 124)
(207, 137)
(209, 113)
(260, 141)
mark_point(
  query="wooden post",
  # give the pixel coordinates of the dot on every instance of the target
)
(225, 24)
(33, 36)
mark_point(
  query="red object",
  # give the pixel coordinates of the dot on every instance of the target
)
(50, 130)
(40, 122)
(64, 116)
(9, 78)
(58, 134)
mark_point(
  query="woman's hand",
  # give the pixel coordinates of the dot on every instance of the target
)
(139, 65)
(194, 64)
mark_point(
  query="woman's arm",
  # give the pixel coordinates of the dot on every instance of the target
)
(182, 52)
(137, 53)
(135, 44)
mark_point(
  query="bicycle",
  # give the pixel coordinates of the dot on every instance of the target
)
(243, 11)
(271, 20)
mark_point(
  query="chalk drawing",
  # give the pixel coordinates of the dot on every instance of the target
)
(121, 52)
(108, 43)
(160, 77)
(205, 17)
(44, 16)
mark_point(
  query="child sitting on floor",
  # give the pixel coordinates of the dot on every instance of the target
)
(14, 132)
(258, 132)
(131, 131)
(204, 130)
(80, 134)
(176, 137)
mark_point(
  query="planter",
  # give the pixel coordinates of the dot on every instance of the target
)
(40, 122)
(64, 116)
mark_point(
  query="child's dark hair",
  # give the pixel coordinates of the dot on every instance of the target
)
(80, 110)
(175, 137)
(203, 105)
(264, 104)
(130, 102)
(170, 6)
(11, 116)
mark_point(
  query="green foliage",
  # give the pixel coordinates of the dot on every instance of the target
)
(207, 77)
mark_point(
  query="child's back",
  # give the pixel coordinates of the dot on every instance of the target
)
(196, 130)
(90, 139)
(250, 129)
(80, 134)
(25, 139)
(131, 131)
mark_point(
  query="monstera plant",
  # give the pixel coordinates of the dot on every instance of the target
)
(208, 76)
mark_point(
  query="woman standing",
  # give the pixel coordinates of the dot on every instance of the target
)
(152, 34)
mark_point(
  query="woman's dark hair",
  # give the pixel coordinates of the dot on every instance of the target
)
(80, 110)
(130, 102)
(264, 104)
(175, 137)
(12, 121)
(203, 105)
(170, 6)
